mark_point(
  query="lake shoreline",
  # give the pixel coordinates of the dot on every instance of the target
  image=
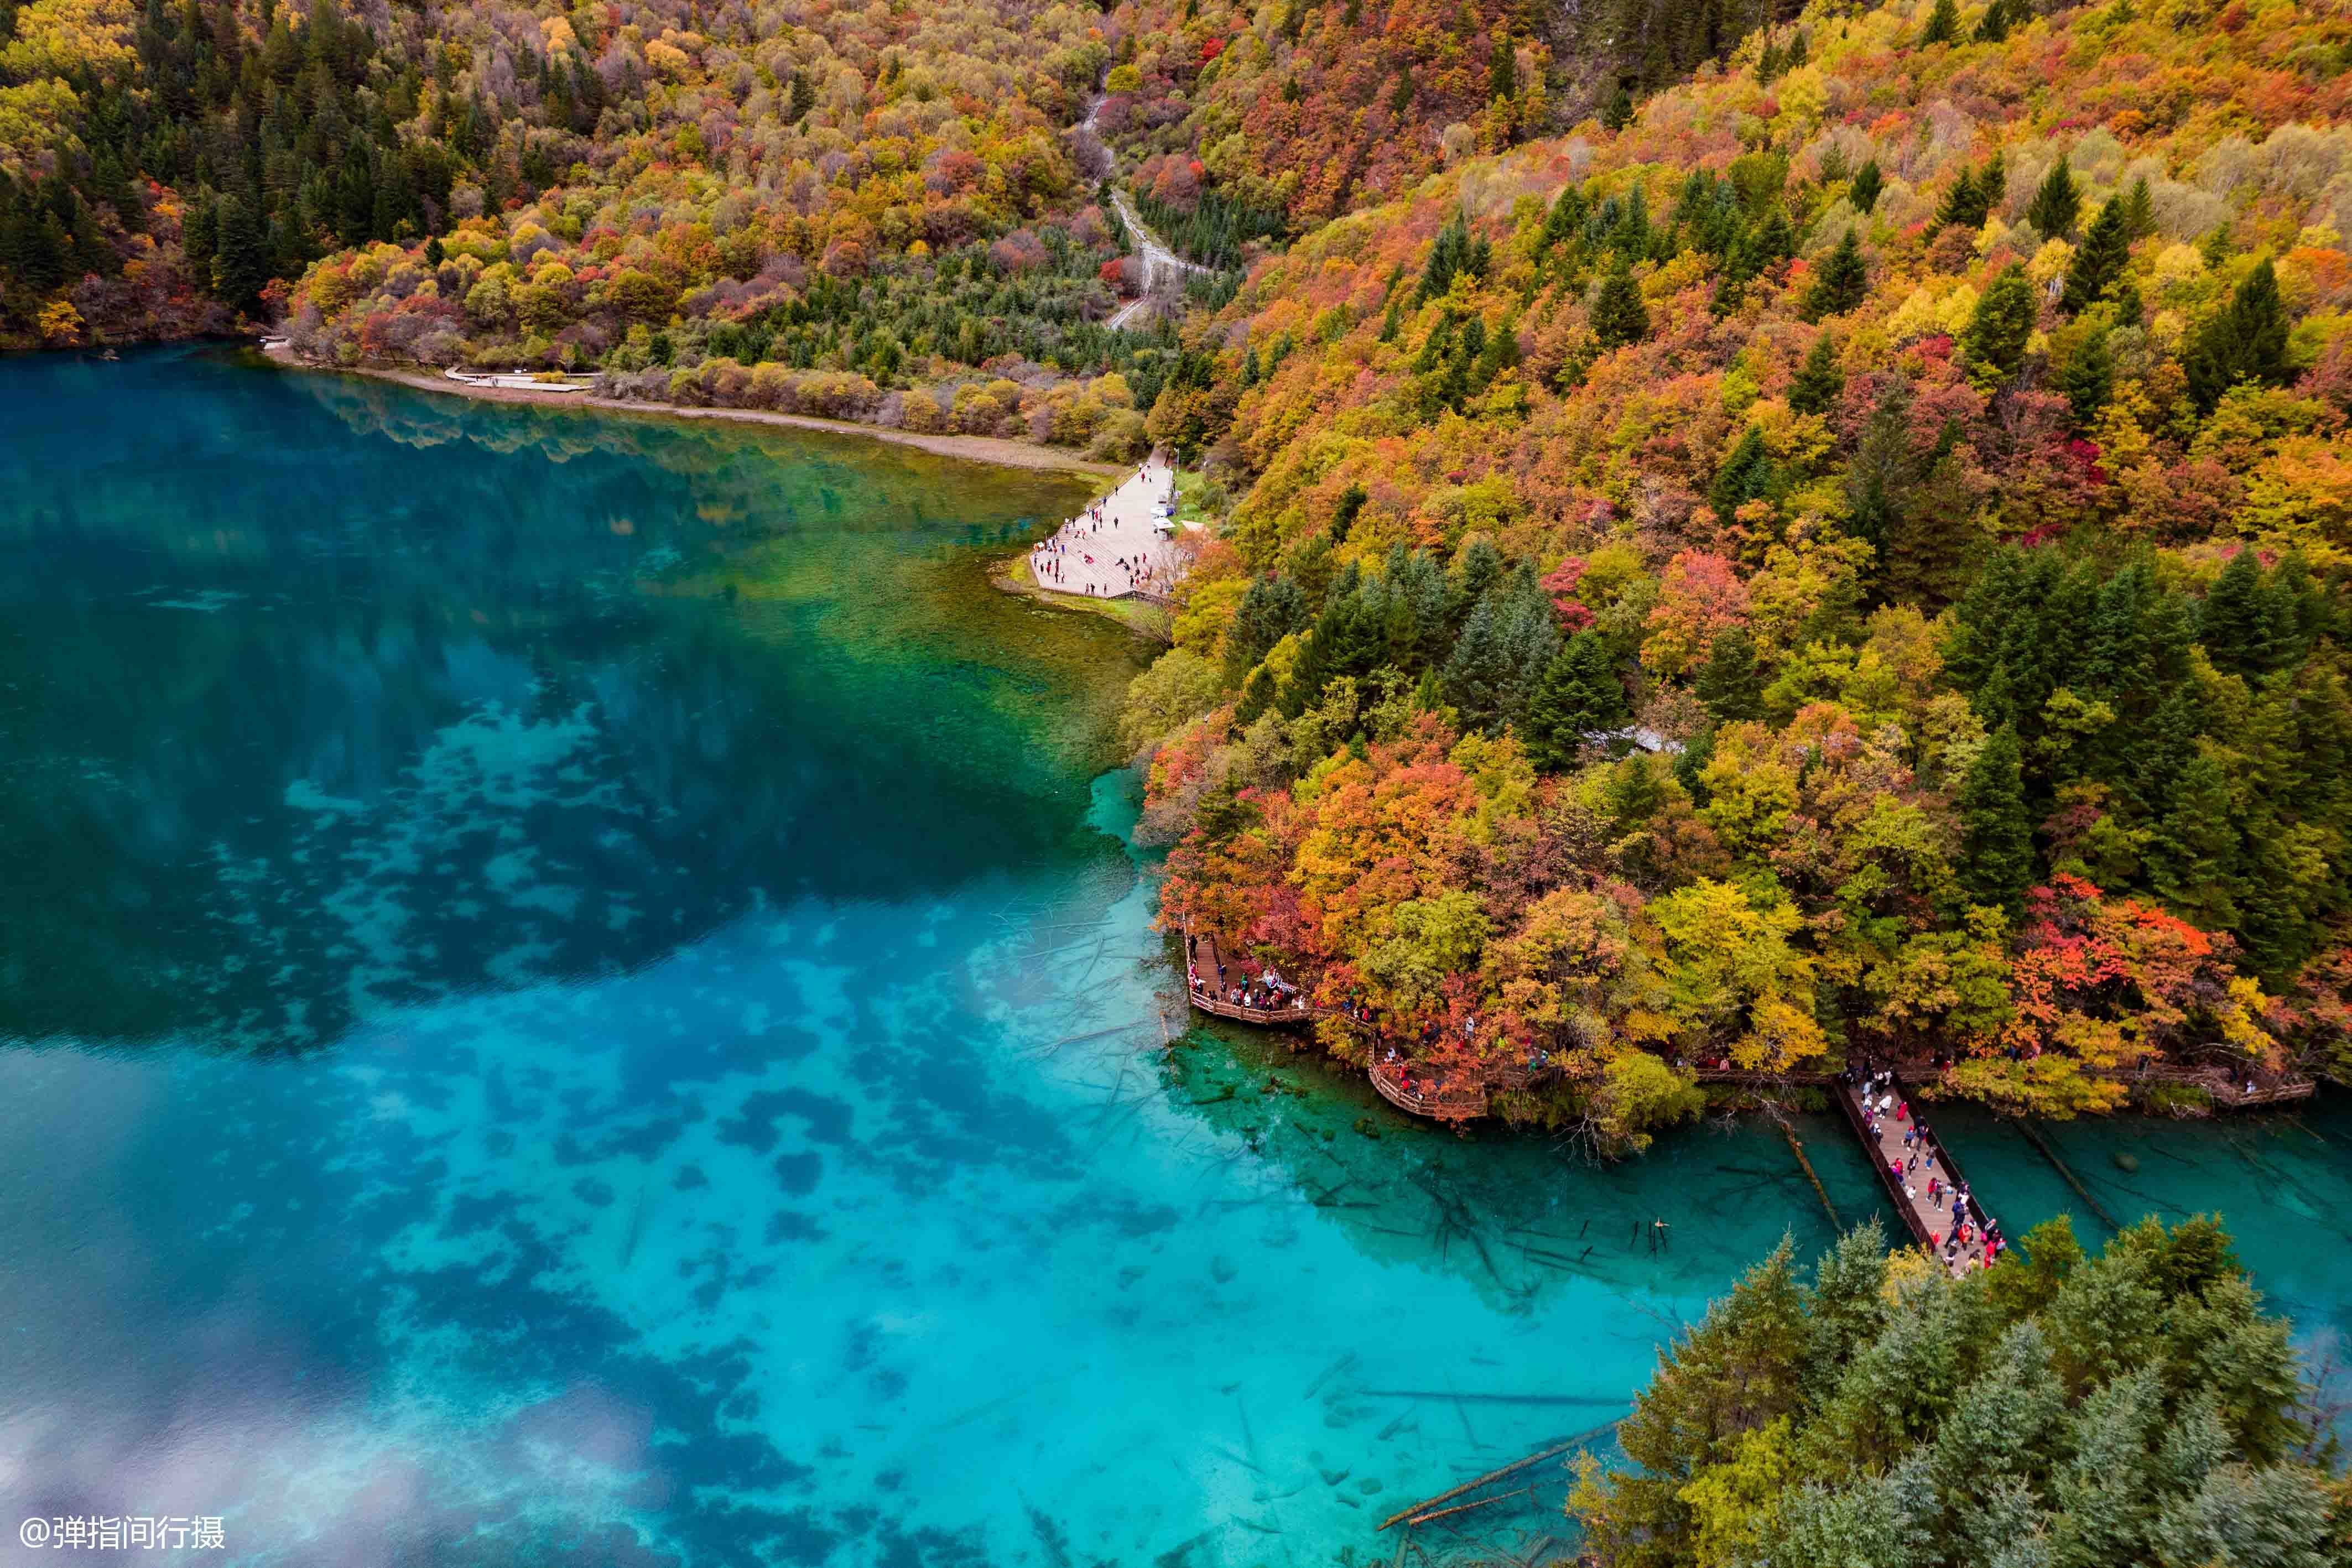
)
(990, 449)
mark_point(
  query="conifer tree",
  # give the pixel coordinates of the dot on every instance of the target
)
(1867, 183)
(1943, 24)
(1746, 475)
(1994, 25)
(1842, 283)
(1731, 682)
(2239, 622)
(1994, 345)
(1503, 75)
(2087, 378)
(1819, 381)
(1455, 251)
(1619, 112)
(1504, 649)
(2099, 264)
(241, 254)
(2244, 342)
(1880, 469)
(1932, 532)
(1579, 694)
(1997, 835)
(2139, 211)
(2196, 850)
(2056, 203)
(1272, 609)
(1619, 316)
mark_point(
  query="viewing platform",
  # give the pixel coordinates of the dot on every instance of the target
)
(1438, 1099)
(1230, 986)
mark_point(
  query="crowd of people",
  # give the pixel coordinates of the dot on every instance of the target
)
(1958, 1229)
(1112, 548)
(1264, 991)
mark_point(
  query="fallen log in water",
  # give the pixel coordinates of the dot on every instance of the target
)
(1491, 1477)
(1798, 1149)
(1466, 1507)
(2059, 1166)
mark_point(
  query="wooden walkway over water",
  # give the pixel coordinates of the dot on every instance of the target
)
(1920, 1178)
(1929, 1193)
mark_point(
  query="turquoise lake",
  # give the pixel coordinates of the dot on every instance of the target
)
(572, 991)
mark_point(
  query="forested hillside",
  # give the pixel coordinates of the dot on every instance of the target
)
(2138, 1406)
(874, 211)
(1249, 120)
(629, 187)
(1926, 459)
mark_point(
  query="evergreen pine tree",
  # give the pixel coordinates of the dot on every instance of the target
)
(1994, 25)
(1619, 317)
(1618, 112)
(2195, 853)
(1477, 569)
(1997, 835)
(2245, 342)
(2139, 211)
(1272, 609)
(1503, 74)
(2239, 624)
(1880, 469)
(1579, 694)
(1505, 646)
(1731, 682)
(241, 254)
(1943, 24)
(2087, 378)
(1867, 183)
(1455, 251)
(1746, 475)
(1932, 531)
(2099, 264)
(1819, 381)
(1842, 282)
(2056, 203)
(1994, 345)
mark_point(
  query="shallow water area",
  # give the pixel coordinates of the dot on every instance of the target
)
(575, 993)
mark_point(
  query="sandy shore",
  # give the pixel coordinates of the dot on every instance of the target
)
(977, 448)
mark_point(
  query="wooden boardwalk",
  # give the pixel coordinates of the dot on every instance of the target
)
(1226, 985)
(1408, 1088)
(1231, 986)
(1929, 1219)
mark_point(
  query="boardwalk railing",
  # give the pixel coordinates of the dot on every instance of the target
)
(2227, 1088)
(1448, 1101)
(1269, 1016)
(1748, 1078)
(1915, 1217)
